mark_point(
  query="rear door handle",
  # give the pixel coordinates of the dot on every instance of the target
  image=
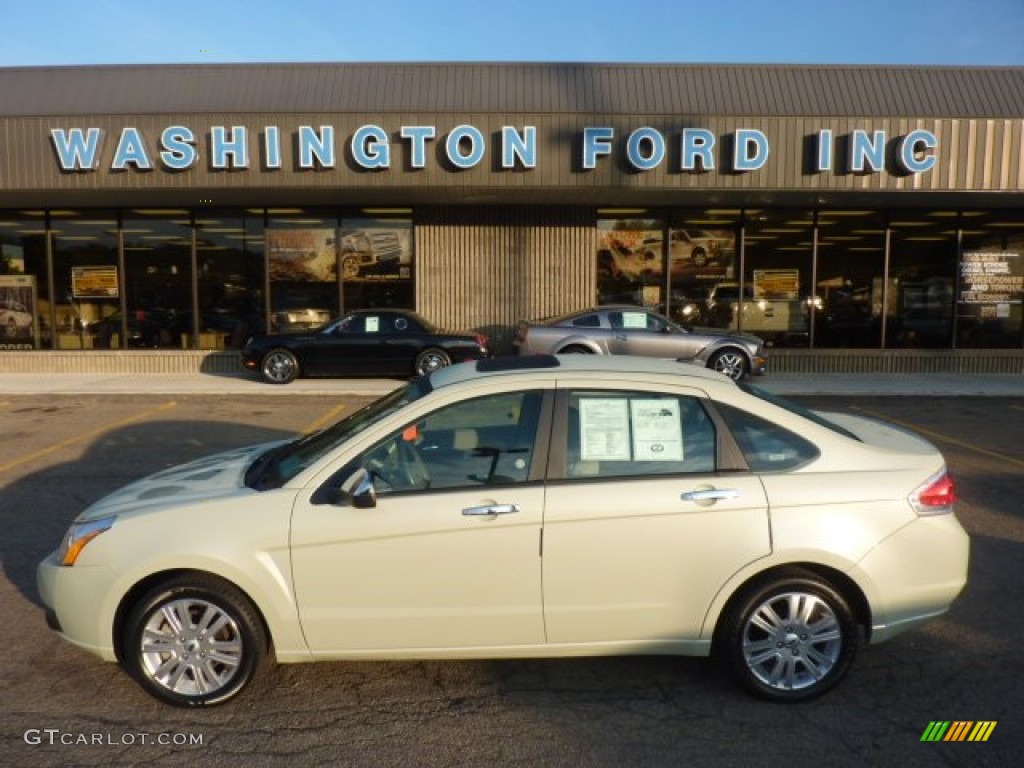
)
(486, 510)
(710, 494)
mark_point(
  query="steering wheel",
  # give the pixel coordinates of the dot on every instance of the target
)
(412, 466)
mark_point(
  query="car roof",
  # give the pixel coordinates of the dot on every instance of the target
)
(611, 365)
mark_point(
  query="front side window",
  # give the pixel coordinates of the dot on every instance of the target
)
(628, 434)
(484, 441)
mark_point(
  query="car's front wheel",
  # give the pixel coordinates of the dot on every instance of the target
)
(790, 639)
(193, 641)
(430, 360)
(731, 362)
(279, 366)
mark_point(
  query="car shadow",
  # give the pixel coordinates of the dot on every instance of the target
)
(38, 507)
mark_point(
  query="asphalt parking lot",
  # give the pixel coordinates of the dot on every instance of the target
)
(61, 706)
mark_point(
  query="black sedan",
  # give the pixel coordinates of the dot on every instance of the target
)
(387, 342)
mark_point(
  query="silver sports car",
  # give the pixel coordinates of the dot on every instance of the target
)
(631, 330)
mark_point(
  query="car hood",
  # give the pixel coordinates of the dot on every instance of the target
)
(721, 333)
(216, 476)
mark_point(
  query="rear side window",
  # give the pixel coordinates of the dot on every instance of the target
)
(587, 321)
(631, 434)
(767, 447)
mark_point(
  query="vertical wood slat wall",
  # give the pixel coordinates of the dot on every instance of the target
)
(487, 268)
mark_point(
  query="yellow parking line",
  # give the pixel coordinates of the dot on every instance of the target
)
(327, 418)
(85, 436)
(942, 437)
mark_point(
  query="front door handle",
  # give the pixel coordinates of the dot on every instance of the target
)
(710, 494)
(488, 510)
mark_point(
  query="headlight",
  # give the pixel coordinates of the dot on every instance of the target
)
(80, 534)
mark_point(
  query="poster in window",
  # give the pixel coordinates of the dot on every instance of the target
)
(302, 255)
(604, 429)
(18, 300)
(702, 254)
(378, 253)
(94, 282)
(657, 434)
(630, 251)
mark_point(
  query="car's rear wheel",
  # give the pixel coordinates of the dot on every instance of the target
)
(731, 362)
(194, 641)
(430, 360)
(576, 349)
(790, 639)
(279, 366)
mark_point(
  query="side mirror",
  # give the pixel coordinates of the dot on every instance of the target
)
(359, 490)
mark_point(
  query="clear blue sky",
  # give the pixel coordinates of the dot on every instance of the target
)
(59, 32)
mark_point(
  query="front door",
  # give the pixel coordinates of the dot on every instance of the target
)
(449, 557)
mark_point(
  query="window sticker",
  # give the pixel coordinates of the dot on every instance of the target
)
(604, 429)
(634, 320)
(657, 435)
(372, 324)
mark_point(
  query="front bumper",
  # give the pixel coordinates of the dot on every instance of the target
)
(74, 599)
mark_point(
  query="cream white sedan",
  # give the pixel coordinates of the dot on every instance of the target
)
(524, 507)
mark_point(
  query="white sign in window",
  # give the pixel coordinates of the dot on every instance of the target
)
(657, 435)
(634, 320)
(604, 429)
(372, 324)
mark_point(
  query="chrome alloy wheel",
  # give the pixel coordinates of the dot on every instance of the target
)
(432, 360)
(279, 366)
(732, 364)
(191, 647)
(791, 641)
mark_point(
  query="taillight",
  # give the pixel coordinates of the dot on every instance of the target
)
(521, 330)
(481, 340)
(936, 496)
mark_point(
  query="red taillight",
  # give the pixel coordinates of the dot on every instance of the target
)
(935, 497)
(481, 340)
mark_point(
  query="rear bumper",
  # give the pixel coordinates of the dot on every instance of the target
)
(758, 366)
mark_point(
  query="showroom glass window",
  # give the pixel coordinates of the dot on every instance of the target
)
(302, 262)
(25, 316)
(991, 280)
(86, 279)
(850, 275)
(377, 263)
(158, 277)
(922, 266)
(778, 273)
(631, 259)
(702, 254)
(231, 277)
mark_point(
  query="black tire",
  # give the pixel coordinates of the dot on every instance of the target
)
(789, 639)
(730, 362)
(175, 665)
(576, 349)
(700, 257)
(279, 366)
(430, 360)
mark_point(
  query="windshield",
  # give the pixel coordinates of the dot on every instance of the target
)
(280, 464)
(799, 410)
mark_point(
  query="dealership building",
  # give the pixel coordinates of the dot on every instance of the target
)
(857, 218)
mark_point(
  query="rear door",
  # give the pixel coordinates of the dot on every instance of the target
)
(641, 527)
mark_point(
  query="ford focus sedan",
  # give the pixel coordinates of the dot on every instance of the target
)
(523, 507)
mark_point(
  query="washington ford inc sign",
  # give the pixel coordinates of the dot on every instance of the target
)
(371, 148)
